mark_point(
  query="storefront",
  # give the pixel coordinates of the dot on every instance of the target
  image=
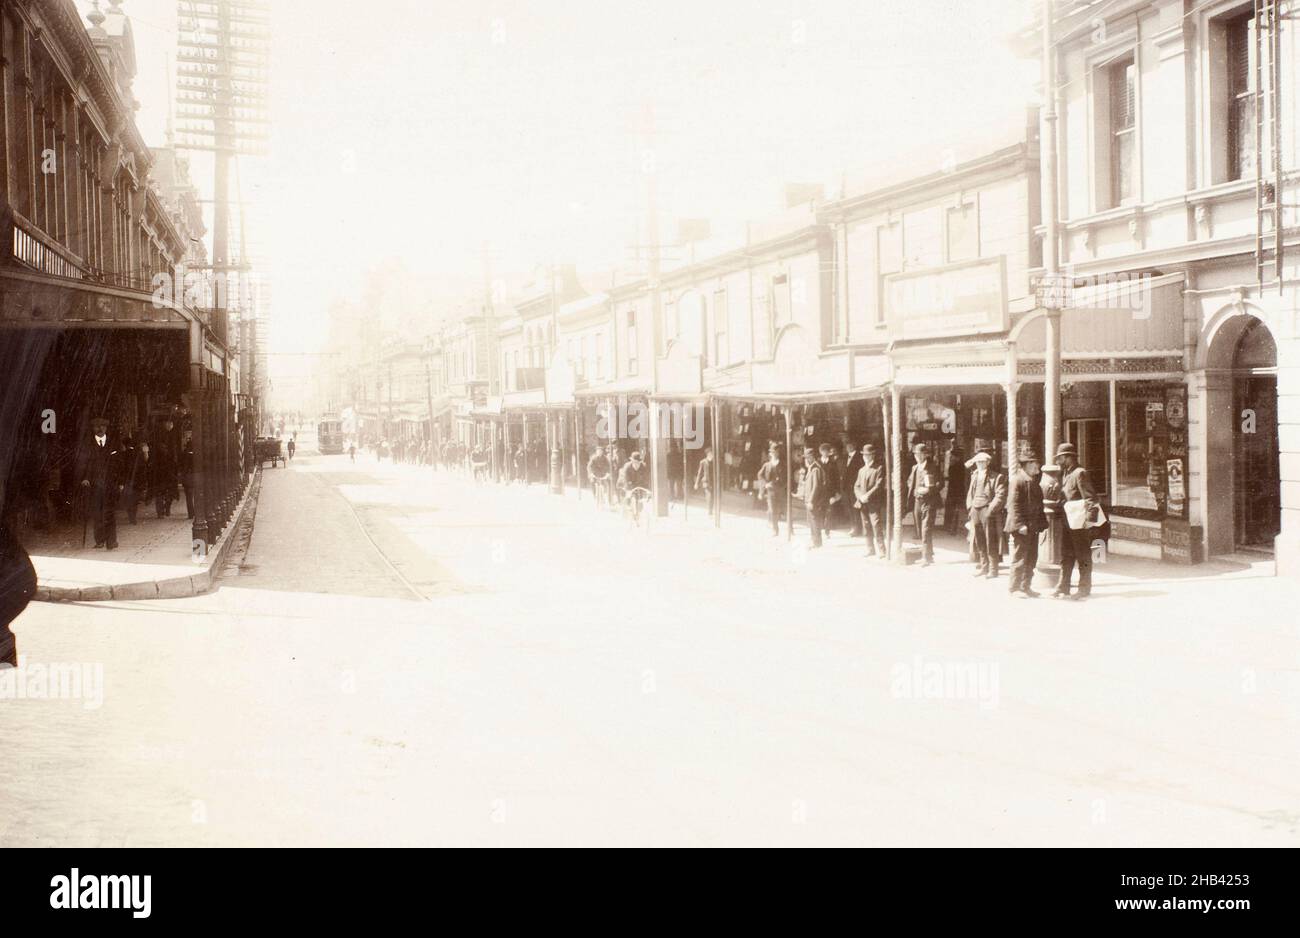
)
(1124, 406)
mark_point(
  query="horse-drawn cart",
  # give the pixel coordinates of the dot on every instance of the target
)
(267, 448)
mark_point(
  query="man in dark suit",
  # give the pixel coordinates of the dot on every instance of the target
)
(1025, 521)
(1076, 545)
(985, 497)
(830, 464)
(869, 497)
(165, 469)
(924, 485)
(816, 494)
(848, 483)
(99, 471)
(954, 472)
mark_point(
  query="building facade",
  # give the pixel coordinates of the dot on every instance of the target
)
(95, 319)
(1178, 188)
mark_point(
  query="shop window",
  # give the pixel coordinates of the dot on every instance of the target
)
(1151, 444)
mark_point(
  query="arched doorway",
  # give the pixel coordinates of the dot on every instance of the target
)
(1257, 503)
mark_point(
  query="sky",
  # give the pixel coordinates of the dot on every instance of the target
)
(413, 133)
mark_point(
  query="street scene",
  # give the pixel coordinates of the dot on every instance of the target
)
(642, 428)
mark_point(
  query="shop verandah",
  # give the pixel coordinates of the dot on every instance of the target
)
(69, 355)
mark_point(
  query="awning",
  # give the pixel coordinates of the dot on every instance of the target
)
(1119, 314)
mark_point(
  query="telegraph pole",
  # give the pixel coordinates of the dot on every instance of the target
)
(1054, 296)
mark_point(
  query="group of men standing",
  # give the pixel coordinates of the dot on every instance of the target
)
(997, 506)
(112, 476)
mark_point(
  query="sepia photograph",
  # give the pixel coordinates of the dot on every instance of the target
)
(572, 424)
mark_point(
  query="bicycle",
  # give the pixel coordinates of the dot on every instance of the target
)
(600, 491)
(633, 501)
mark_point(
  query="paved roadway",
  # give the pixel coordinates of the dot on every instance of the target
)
(399, 660)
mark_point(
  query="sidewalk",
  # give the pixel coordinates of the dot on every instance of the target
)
(1120, 576)
(154, 560)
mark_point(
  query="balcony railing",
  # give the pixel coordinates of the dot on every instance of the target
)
(32, 247)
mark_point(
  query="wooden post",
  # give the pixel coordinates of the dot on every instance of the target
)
(896, 475)
(789, 473)
(717, 466)
(889, 468)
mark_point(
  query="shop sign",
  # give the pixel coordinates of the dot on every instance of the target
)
(958, 299)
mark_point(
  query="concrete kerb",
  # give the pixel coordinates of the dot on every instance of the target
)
(170, 588)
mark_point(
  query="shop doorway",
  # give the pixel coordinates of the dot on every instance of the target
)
(1257, 481)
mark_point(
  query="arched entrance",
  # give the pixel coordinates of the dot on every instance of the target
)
(1258, 505)
(1245, 482)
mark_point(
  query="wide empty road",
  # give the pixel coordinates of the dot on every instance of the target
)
(400, 659)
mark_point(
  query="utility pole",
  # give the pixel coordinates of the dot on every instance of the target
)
(1054, 296)
(223, 48)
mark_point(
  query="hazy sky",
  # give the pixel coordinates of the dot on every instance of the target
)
(419, 130)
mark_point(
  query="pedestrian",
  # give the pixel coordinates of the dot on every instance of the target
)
(853, 462)
(869, 499)
(140, 463)
(1025, 521)
(676, 472)
(17, 585)
(985, 497)
(165, 468)
(816, 494)
(100, 471)
(704, 477)
(1081, 512)
(292, 447)
(479, 464)
(830, 466)
(954, 473)
(598, 471)
(923, 493)
(352, 451)
(634, 476)
(772, 487)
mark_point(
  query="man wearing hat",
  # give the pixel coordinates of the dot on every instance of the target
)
(985, 497)
(923, 495)
(869, 492)
(816, 494)
(772, 487)
(1076, 545)
(98, 470)
(1025, 520)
